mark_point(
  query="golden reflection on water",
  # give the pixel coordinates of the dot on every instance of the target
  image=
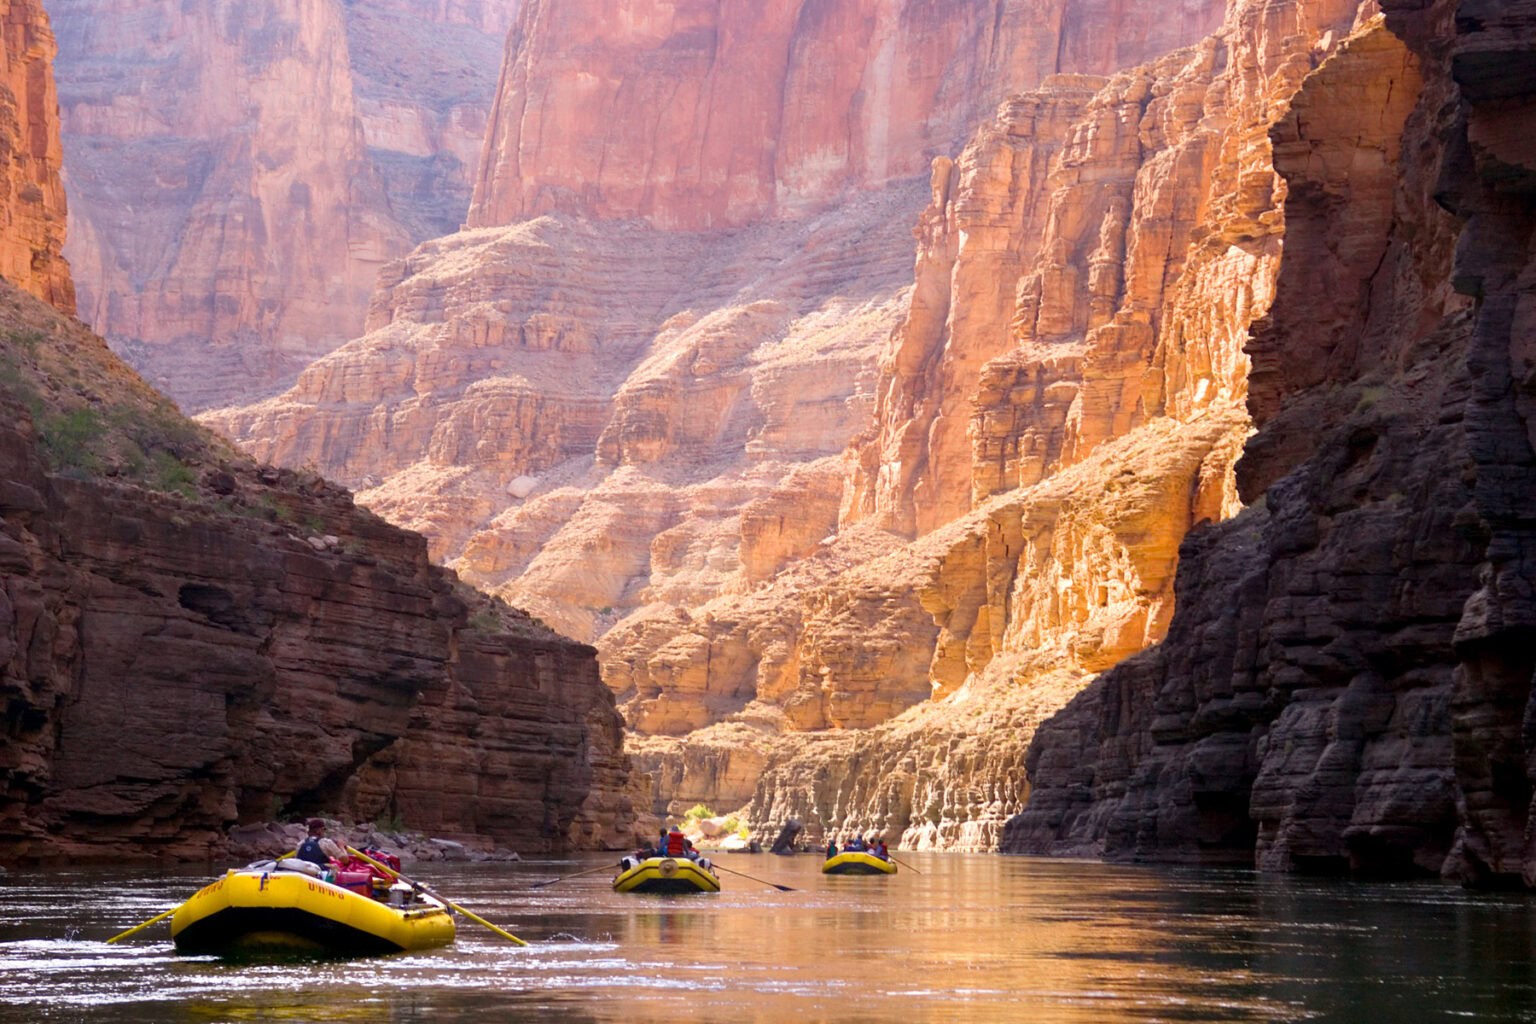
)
(972, 938)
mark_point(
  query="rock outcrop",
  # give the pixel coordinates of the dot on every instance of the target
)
(239, 173)
(32, 208)
(1072, 368)
(191, 641)
(1346, 683)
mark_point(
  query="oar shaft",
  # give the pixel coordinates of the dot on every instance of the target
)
(146, 924)
(161, 917)
(764, 881)
(392, 873)
(904, 864)
(577, 874)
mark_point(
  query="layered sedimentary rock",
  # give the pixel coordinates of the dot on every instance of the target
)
(1347, 682)
(423, 79)
(1133, 226)
(693, 116)
(190, 641)
(637, 430)
(228, 225)
(32, 208)
(240, 173)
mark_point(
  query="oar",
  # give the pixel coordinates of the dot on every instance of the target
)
(552, 881)
(146, 924)
(743, 874)
(903, 863)
(392, 873)
(161, 917)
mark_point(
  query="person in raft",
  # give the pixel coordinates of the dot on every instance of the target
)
(831, 848)
(317, 849)
(881, 851)
(677, 845)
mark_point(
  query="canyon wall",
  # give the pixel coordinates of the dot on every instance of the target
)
(1346, 683)
(190, 641)
(843, 527)
(695, 115)
(239, 173)
(32, 207)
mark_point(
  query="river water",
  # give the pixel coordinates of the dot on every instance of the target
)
(971, 938)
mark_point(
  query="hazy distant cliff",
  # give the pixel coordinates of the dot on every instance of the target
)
(240, 172)
(189, 640)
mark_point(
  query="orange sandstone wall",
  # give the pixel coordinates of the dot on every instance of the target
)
(32, 208)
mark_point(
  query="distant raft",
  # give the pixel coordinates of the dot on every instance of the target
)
(853, 862)
(255, 911)
(665, 874)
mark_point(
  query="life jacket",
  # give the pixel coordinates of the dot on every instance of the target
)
(310, 850)
(675, 844)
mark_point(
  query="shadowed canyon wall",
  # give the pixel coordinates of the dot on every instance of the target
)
(1347, 682)
(240, 172)
(189, 641)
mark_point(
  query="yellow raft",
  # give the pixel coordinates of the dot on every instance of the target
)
(254, 911)
(666, 874)
(852, 862)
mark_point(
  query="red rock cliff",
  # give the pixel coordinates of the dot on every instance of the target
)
(189, 641)
(1347, 683)
(32, 208)
(639, 431)
(697, 115)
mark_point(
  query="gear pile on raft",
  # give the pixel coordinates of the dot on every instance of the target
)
(322, 899)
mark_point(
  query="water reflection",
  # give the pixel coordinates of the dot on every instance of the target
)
(971, 938)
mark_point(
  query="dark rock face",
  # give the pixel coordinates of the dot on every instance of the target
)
(1346, 684)
(172, 666)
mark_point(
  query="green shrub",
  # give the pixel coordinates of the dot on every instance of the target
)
(171, 475)
(69, 440)
(696, 812)
(392, 822)
(28, 338)
(485, 622)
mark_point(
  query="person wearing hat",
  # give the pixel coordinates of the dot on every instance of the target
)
(314, 848)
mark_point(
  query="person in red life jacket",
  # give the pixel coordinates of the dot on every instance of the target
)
(676, 844)
(881, 851)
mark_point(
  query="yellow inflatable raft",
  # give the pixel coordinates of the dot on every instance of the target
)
(852, 862)
(252, 911)
(666, 874)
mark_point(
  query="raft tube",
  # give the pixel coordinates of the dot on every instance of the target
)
(666, 874)
(852, 862)
(287, 911)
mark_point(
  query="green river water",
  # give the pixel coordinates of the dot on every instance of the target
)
(971, 938)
